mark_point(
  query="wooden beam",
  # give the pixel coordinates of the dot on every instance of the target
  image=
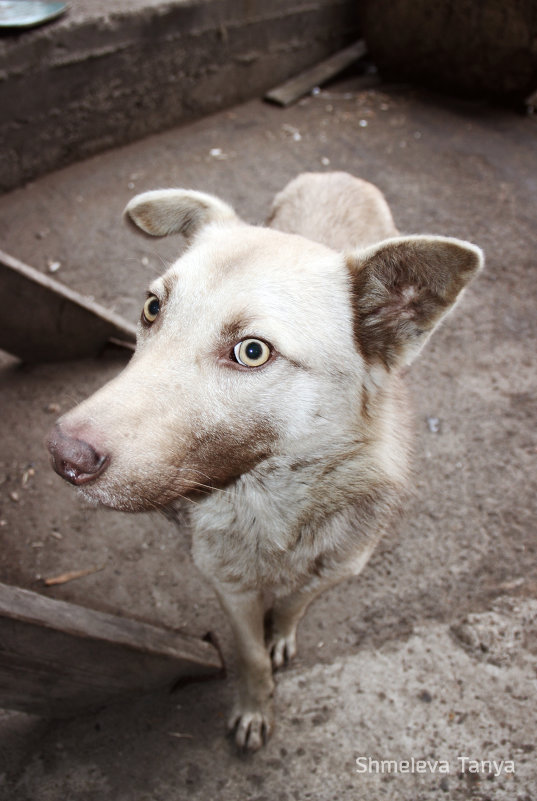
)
(42, 320)
(301, 84)
(57, 659)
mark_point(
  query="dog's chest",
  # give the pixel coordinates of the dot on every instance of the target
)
(259, 534)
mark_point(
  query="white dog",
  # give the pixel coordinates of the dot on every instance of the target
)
(266, 384)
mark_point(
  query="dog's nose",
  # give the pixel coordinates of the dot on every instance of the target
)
(74, 459)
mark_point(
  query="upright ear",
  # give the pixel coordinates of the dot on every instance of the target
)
(402, 288)
(177, 211)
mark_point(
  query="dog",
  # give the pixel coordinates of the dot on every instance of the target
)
(268, 386)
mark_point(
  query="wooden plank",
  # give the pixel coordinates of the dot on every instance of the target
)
(296, 87)
(57, 659)
(42, 320)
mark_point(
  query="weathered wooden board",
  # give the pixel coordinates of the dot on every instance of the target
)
(42, 320)
(296, 87)
(57, 659)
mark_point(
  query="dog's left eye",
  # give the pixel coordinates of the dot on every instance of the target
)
(251, 352)
(151, 309)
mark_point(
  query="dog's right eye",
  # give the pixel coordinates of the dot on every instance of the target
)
(151, 309)
(251, 352)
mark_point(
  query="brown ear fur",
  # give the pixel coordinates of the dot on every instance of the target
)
(402, 288)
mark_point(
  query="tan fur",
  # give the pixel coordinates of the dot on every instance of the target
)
(297, 466)
(335, 208)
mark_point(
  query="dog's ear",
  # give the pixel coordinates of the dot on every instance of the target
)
(177, 211)
(402, 288)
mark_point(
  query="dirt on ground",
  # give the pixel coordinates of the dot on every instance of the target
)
(424, 633)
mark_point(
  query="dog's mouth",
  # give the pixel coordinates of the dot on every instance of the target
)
(102, 480)
(99, 493)
(145, 493)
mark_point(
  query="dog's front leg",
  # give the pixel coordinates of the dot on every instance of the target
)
(252, 716)
(284, 617)
(288, 610)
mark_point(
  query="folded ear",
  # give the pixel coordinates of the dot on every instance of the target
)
(402, 288)
(177, 211)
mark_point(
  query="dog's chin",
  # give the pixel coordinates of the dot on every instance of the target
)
(97, 495)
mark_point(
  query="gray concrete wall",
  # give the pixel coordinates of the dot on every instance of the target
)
(107, 74)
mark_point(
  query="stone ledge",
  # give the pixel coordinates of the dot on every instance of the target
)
(104, 76)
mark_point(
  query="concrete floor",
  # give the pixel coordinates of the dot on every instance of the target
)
(432, 653)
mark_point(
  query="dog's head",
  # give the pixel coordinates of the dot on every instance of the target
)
(253, 342)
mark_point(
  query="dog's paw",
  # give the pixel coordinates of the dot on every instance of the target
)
(282, 648)
(251, 728)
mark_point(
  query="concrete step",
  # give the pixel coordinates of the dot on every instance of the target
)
(108, 73)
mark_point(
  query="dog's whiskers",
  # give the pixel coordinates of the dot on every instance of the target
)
(200, 484)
